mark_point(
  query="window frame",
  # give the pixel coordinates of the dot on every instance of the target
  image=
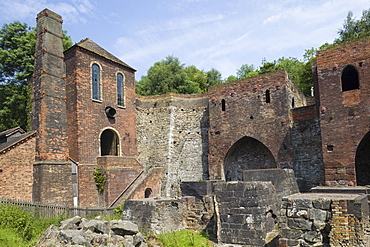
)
(121, 104)
(99, 84)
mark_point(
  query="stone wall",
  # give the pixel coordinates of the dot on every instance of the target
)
(173, 134)
(307, 146)
(242, 212)
(324, 220)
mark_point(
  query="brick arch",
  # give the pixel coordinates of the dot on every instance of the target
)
(362, 161)
(110, 142)
(246, 154)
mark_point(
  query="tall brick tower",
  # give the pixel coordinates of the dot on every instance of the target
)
(52, 171)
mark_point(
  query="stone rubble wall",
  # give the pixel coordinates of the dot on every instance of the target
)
(324, 220)
(307, 148)
(173, 134)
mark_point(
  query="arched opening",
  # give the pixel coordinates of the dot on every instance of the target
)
(362, 161)
(268, 96)
(350, 78)
(109, 143)
(246, 154)
(148, 192)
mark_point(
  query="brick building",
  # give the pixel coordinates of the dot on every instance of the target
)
(88, 123)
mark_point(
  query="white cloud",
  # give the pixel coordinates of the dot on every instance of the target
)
(73, 12)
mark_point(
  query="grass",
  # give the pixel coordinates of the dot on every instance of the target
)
(184, 238)
(20, 228)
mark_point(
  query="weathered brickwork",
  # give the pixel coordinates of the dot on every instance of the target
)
(16, 176)
(173, 133)
(52, 172)
(87, 119)
(48, 101)
(257, 108)
(344, 114)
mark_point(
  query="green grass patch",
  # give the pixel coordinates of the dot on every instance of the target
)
(20, 228)
(184, 238)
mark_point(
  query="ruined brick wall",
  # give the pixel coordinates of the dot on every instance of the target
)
(307, 146)
(324, 220)
(257, 108)
(16, 176)
(344, 114)
(173, 133)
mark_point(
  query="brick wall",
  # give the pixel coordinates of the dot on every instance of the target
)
(257, 107)
(16, 176)
(87, 120)
(87, 117)
(344, 115)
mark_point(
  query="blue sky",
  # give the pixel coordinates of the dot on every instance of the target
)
(220, 34)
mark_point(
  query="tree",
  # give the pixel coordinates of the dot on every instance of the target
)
(214, 78)
(245, 71)
(170, 76)
(354, 29)
(17, 46)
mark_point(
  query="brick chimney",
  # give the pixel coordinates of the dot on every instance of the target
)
(52, 171)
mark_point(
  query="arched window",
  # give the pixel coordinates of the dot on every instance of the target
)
(109, 143)
(95, 75)
(350, 78)
(148, 192)
(120, 90)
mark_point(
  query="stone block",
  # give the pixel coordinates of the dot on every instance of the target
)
(313, 237)
(302, 203)
(317, 214)
(291, 233)
(321, 203)
(300, 224)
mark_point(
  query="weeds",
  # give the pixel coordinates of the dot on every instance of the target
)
(184, 238)
(20, 228)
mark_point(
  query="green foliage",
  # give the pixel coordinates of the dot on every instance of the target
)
(354, 29)
(170, 76)
(231, 78)
(214, 78)
(100, 180)
(184, 238)
(14, 217)
(17, 47)
(20, 228)
(244, 71)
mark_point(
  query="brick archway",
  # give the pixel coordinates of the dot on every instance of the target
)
(362, 161)
(109, 143)
(246, 154)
